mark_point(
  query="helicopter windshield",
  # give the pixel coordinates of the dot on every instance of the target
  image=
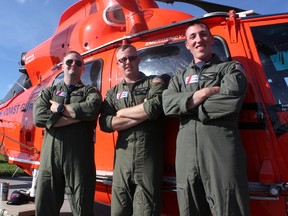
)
(20, 85)
(168, 59)
(90, 76)
(272, 46)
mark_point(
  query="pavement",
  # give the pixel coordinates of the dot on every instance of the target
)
(24, 183)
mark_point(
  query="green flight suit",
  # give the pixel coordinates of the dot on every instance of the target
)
(137, 176)
(67, 156)
(210, 159)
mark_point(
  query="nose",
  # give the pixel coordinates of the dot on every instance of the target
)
(198, 38)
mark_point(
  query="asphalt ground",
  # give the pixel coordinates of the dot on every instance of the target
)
(24, 183)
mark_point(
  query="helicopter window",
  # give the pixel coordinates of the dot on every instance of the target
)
(20, 85)
(92, 73)
(168, 59)
(272, 46)
(58, 79)
(90, 76)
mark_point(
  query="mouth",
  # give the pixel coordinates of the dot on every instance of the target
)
(200, 47)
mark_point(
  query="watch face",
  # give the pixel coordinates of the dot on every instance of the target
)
(60, 108)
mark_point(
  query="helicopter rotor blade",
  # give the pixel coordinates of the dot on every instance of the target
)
(206, 6)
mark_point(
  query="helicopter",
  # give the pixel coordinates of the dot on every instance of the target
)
(96, 28)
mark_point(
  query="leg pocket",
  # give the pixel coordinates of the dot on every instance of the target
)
(121, 202)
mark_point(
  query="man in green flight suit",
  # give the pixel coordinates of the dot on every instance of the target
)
(134, 109)
(68, 111)
(210, 159)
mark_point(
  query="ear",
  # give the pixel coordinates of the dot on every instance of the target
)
(138, 60)
(187, 47)
(212, 39)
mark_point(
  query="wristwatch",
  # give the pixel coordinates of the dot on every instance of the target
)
(61, 108)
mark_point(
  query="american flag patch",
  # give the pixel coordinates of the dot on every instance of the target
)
(61, 93)
(122, 95)
(191, 79)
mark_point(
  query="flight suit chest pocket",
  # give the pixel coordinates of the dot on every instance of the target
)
(76, 97)
(140, 94)
(141, 91)
(208, 76)
(209, 79)
(60, 96)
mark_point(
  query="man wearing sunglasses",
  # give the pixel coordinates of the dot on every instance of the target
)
(68, 112)
(133, 108)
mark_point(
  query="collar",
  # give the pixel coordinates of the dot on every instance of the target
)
(79, 84)
(214, 60)
(141, 77)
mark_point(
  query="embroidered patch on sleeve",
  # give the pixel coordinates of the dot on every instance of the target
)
(240, 68)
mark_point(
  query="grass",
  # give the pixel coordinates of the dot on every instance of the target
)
(7, 169)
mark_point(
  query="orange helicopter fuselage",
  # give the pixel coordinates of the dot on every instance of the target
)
(96, 28)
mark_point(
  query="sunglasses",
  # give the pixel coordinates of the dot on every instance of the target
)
(130, 58)
(69, 62)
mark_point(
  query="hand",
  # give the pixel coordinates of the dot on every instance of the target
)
(207, 92)
(54, 106)
(119, 113)
(201, 95)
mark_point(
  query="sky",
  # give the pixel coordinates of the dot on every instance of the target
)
(24, 24)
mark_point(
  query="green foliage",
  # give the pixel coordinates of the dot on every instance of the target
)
(7, 169)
